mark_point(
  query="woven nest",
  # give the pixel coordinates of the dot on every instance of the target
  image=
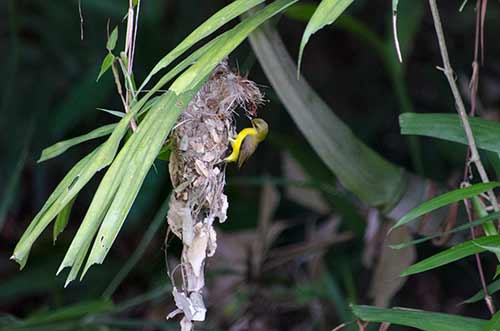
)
(200, 142)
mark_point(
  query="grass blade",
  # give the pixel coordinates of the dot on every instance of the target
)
(422, 320)
(445, 199)
(62, 146)
(480, 221)
(452, 254)
(492, 288)
(449, 127)
(69, 187)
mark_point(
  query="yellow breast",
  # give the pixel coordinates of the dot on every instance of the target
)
(236, 143)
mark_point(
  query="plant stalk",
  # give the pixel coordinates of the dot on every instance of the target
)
(448, 72)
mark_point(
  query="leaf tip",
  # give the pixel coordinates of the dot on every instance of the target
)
(19, 260)
(61, 268)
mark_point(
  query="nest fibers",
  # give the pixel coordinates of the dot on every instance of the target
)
(200, 143)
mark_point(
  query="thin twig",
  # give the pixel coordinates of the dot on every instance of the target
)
(116, 75)
(128, 80)
(448, 71)
(487, 297)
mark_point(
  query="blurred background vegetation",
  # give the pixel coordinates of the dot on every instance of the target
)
(328, 249)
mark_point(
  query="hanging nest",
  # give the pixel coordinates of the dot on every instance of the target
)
(200, 142)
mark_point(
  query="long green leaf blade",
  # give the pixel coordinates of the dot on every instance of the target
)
(452, 254)
(23, 247)
(445, 199)
(422, 320)
(76, 179)
(466, 226)
(492, 288)
(326, 13)
(449, 127)
(62, 146)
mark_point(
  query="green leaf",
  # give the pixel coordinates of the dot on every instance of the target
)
(62, 146)
(106, 64)
(62, 220)
(493, 249)
(422, 320)
(489, 227)
(112, 40)
(492, 288)
(217, 20)
(326, 13)
(116, 113)
(40, 221)
(69, 187)
(445, 199)
(483, 220)
(452, 254)
(493, 324)
(449, 127)
(497, 272)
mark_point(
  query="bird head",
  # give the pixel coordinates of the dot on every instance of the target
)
(262, 128)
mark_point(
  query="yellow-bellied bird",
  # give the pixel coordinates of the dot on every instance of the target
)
(247, 140)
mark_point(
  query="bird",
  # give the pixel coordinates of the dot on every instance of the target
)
(246, 141)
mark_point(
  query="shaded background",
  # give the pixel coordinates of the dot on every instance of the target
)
(320, 260)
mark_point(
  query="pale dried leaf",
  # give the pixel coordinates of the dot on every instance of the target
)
(306, 197)
(387, 281)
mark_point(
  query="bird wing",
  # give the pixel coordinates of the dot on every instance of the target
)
(248, 147)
